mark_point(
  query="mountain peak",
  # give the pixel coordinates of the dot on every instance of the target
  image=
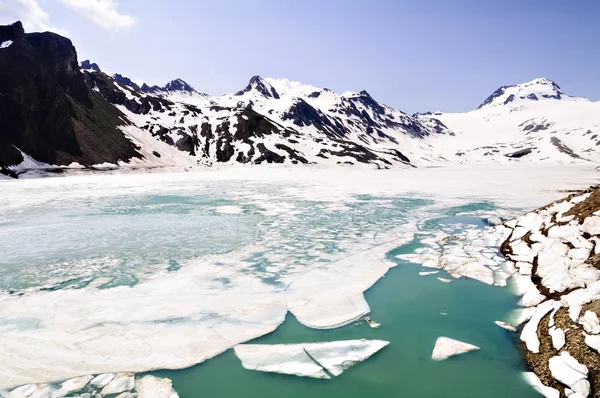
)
(87, 64)
(534, 90)
(124, 80)
(261, 86)
(179, 85)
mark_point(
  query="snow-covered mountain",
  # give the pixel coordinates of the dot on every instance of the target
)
(97, 118)
(533, 122)
(270, 120)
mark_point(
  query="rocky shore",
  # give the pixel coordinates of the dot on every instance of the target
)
(556, 254)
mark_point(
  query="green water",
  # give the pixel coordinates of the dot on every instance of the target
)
(410, 308)
(126, 238)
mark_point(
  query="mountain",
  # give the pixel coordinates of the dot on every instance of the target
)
(47, 111)
(534, 121)
(535, 90)
(60, 114)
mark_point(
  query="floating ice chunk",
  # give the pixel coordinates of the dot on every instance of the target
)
(536, 383)
(22, 391)
(102, 380)
(529, 333)
(121, 382)
(371, 322)
(444, 280)
(126, 394)
(568, 371)
(590, 322)
(43, 391)
(154, 387)
(425, 273)
(288, 359)
(558, 338)
(294, 359)
(493, 221)
(338, 356)
(446, 347)
(75, 384)
(506, 325)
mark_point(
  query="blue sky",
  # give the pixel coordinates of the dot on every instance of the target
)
(421, 55)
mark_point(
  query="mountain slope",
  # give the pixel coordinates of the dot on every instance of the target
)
(46, 109)
(533, 122)
(270, 120)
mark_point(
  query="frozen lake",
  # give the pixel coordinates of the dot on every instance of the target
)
(104, 273)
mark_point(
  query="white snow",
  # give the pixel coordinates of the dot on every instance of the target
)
(529, 333)
(446, 347)
(558, 338)
(6, 44)
(568, 371)
(590, 322)
(546, 391)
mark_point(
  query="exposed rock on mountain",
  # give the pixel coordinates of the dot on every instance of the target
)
(89, 65)
(47, 111)
(57, 113)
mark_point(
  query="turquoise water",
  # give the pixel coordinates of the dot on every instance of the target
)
(410, 308)
(121, 240)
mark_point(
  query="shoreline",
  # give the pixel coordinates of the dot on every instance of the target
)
(555, 252)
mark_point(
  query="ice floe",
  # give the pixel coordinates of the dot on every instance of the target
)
(307, 359)
(506, 325)
(120, 385)
(213, 304)
(121, 382)
(154, 387)
(446, 347)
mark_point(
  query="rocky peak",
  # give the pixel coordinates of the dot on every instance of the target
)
(367, 101)
(125, 81)
(535, 90)
(261, 86)
(179, 85)
(12, 32)
(90, 65)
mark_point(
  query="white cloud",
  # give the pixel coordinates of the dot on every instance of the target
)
(102, 12)
(29, 12)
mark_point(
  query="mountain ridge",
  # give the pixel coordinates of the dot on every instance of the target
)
(276, 120)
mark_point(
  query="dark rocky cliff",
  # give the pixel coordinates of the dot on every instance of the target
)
(46, 108)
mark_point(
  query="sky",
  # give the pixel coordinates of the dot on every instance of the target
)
(424, 55)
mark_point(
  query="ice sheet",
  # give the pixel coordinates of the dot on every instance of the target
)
(216, 301)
